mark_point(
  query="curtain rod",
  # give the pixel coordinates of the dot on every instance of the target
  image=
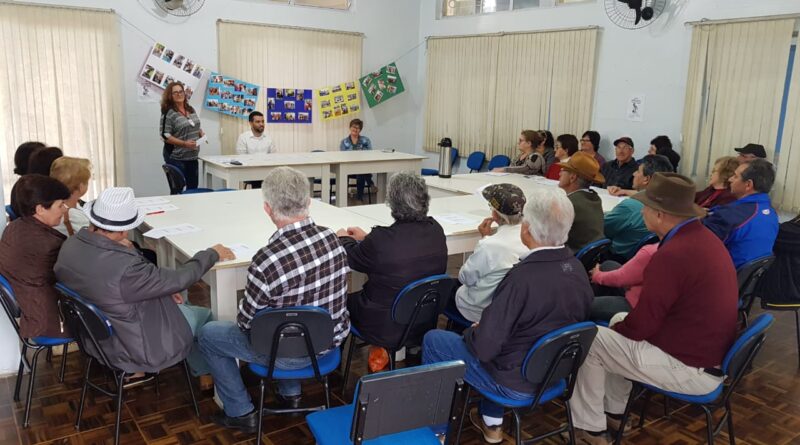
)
(503, 33)
(301, 28)
(743, 19)
(43, 5)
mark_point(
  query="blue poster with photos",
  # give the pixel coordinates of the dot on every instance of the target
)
(231, 96)
(289, 106)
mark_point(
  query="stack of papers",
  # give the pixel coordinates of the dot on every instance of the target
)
(456, 219)
(178, 229)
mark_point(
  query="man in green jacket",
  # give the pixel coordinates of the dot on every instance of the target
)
(575, 178)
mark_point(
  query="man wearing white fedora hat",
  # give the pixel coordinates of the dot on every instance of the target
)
(103, 267)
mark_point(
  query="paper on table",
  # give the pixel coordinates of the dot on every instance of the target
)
(178, 229)
(497, 174)
(150, 200)
(157, 208)
(479, 190)
(242, 251)
(456, 219)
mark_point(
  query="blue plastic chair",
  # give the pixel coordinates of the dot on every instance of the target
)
(551, 364)
(650, 238)
(416, 307)
(455, 319)
(91, 327)
(475, 161)
(177, 181)
(734, 365)
(293, 332)
(10, 212)
(432, 395)
(434, 171)
(747, 276)
(499, 161)
(35, 344)
(593, 253)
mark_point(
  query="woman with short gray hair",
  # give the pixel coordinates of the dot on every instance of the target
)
(412, 248)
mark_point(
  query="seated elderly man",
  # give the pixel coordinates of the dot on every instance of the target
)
(685, 321)
(619, 172)
(749, 225)
(575, 178)
(495, 253)
(548, 289)
(303, 264)
(139, 298)
(412, 248)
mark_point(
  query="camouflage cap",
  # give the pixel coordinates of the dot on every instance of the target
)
(507, 199)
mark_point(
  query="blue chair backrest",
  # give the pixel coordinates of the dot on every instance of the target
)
(407, 399)
(592, 253)
(748, 274)
(453, 155)
(423, 300)
(175, 179)
(9, 301)
(475, 160)
(499, 161)
(292, 332)
(743, 349)
(558, 354)
(10, 212)
(88, 324)
(650, 238)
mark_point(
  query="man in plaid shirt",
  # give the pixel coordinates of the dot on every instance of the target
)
(302, 265)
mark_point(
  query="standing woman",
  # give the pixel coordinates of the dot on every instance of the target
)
(180, 130)
(528, 162)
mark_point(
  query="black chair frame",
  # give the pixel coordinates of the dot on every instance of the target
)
(89, 330)
(593, 253)
(638, 391)
(747, 277)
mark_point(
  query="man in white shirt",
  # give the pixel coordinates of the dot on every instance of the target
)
(495, 254)
(254, 141)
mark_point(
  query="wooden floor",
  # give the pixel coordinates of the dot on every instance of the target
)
(766, 407)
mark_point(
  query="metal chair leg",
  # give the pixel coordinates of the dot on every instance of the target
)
(31, 381)
(392, 360)
(83, 393)
(570, 426)
(666, 407)
(517, 427)
(63, 363)
(709, 425)
(465, 413)
(350, 352)
(20, 373)
(120, 381)
(644, 409)
(327, 392)
(626, 413)
(260, 410)
(49, 355)
(797, 331)
(191, 387)
(731, 436)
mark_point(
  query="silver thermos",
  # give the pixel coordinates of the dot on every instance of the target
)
(445, 161)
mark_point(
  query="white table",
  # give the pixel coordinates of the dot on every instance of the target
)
(468, 184)
(229, 218)
(345, 163)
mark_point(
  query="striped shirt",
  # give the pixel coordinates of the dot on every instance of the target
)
(185, 128)
(303, 264)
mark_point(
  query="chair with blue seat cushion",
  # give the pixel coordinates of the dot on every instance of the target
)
(434, 171)
(397, 407)
(10, 213)
(293, 332)
(593, 253)
(91, 327)
(35, 344)
(177, 181)
(498, 161)
(416, 307)
(475, 161)
(551, 365)
(737, 360)
(455, 319)
(747, 276)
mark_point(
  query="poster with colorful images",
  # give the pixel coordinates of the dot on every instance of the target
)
(230, 96)
(289, 106)
(381, 85)
(164, 65)
(338, 100)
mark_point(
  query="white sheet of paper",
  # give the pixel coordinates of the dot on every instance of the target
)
(242, 251)
(202, 140)
(148, 209)
(456, 219)
(497, 173)
(479, 190)
(150, 200)
(178, 229)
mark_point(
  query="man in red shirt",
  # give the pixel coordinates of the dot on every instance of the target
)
(677, 335)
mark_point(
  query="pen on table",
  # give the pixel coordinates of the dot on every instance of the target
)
(155, 213)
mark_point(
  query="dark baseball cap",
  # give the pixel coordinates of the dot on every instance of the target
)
(507, 199)
(626, 140)
(756, 150)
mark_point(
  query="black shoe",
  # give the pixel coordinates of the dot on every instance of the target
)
(288, 402)
(247, 423)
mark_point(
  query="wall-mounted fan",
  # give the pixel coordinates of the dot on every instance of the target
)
(180, 8)
(634, 14)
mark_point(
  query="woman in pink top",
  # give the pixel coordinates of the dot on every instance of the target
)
(629, 276)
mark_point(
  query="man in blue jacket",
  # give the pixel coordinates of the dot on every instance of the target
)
(748, 226)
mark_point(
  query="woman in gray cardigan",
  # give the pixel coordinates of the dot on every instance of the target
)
(528, 162)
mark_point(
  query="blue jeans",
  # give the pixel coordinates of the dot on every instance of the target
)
(190, 171)
(222, 342)
(440, 346)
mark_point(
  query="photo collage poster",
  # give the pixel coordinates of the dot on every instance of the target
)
(338, 101)
(381, 85)
(289, 106)
(231, 96)
(164, 65)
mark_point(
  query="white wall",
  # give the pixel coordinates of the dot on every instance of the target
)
(651, 61)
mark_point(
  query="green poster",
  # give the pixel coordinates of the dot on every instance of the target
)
(380, 86)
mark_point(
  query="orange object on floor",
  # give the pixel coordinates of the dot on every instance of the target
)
(378, 358)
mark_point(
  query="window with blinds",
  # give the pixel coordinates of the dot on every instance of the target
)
(459, 8)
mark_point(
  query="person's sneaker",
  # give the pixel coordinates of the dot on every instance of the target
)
(132, 380)
(585, 437)
(491, 434)
(247, 423)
